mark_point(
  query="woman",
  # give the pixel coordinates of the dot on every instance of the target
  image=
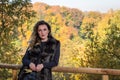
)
(42, 54)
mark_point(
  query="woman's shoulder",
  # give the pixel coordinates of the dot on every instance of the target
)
(54, 41)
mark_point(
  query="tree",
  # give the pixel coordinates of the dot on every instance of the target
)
(13, 14)
(90, 22)
(103, 50)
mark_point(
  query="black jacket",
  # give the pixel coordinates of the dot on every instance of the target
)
(46, 53)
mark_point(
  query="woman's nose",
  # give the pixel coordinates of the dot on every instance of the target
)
(42, 32)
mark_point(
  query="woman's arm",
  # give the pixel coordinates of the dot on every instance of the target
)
(55, 60)
(25, 59)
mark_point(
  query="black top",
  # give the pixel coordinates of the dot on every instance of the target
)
(51, 64)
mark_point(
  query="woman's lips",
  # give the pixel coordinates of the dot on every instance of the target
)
(43, 35)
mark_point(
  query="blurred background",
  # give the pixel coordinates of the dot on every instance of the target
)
(89, 32)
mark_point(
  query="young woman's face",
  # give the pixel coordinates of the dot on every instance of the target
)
(43, 32)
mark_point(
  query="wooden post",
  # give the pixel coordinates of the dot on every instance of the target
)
(105, 77)
(14, 74)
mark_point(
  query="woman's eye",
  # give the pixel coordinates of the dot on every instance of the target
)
(39, 30)
(45, 29)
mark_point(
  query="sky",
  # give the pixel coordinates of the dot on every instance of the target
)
(85, 5)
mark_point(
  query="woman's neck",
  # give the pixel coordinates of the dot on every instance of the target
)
(44, 40)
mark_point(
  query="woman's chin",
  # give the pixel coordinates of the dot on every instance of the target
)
(44, 39)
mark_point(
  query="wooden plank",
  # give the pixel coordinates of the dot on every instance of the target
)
(105, 77)
(87, 70)
(14, 74)
(71, 69)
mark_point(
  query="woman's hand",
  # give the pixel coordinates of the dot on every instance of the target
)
(32, 66)
(39, 67)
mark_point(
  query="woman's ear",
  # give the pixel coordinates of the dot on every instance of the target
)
(48, 31)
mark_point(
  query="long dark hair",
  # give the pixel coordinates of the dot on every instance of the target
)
(35, 39)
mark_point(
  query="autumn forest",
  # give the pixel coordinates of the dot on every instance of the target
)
(88, 39)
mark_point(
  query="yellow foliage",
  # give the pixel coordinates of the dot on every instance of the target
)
(28, 34)
(24, 43)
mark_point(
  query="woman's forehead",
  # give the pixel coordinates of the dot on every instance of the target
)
(42, 26)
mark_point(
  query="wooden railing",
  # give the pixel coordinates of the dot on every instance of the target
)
(104, 72)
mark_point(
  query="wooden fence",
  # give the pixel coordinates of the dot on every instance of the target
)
(104, 72)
